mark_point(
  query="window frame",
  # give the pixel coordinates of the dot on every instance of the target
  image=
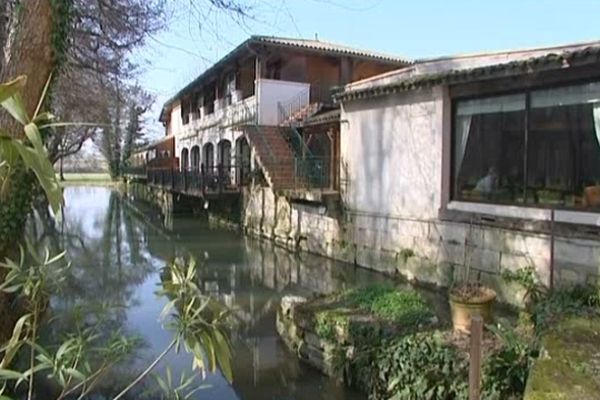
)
(525, 90)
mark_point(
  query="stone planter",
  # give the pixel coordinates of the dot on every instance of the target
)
(463, 308)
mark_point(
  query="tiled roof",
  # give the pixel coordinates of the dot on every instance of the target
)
(323, 118)
(328, 47)
(303, 44)
(549, 61)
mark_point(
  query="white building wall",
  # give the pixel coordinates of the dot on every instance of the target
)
(392, 150)
(176, 122)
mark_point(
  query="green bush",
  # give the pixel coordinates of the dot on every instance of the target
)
(419, 366)
(425, 366)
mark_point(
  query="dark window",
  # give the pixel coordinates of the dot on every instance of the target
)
(550, 136)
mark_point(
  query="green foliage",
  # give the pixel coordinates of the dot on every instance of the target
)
(415, 367)
(80, 359)
(183, 389)
(569, 300)
(198, 321)
(17, 157)
(426, 366)
(528, 278)
(402, 306)
(505, 371)
(327, 323)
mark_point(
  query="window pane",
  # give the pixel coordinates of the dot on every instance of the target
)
(489, 149)
(564, 149)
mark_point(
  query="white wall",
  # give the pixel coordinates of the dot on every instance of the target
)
(270, 92)
(176, 121)
(391, 149)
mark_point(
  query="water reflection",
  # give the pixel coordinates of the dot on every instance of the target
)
(117, 253)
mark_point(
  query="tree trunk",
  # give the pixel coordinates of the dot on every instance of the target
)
(62, 175)
(30, 54)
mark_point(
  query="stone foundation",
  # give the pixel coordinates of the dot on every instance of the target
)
(428, 251)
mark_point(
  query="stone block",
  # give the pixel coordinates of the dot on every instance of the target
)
(448, 232)
(484, 260)
(289, 302)
(573, 252)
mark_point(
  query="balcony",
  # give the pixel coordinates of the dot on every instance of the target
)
(261, 108)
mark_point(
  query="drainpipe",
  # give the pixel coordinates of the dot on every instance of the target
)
(552, 249)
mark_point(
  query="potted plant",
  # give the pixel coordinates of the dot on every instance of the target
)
(469, 298)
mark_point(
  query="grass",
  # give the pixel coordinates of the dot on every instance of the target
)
(388, 303)
(91, 178)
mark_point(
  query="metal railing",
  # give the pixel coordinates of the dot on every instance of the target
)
(313, 172)
(290, 110)
(211, 180)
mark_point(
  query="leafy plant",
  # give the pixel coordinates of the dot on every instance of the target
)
(415, 367)
(78, 363)
(184, 389)
(528, 278)
(31, 154)
(505, 371)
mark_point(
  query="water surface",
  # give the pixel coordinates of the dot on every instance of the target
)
(118, 247)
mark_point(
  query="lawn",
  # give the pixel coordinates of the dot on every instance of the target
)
(94, 178)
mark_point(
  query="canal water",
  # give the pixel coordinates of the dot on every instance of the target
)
(117, 248)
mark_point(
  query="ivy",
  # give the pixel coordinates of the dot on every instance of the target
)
(62, 14)
(15, 208)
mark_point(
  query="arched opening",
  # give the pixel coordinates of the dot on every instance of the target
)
(185, 161)
(195, 158)
(208, 157)
(224, 155)
(242, 157)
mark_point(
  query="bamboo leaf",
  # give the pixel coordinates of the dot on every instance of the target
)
(9, 89)
(14, 106)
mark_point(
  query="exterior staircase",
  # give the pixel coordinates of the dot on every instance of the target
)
(300, 114)
(274, 155)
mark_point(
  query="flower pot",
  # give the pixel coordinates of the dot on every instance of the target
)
(463, 308)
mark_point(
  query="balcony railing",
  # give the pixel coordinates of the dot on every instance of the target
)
(200, 182)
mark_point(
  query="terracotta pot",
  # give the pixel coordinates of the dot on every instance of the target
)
(463, 309)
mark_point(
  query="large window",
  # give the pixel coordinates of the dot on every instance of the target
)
(540, 148)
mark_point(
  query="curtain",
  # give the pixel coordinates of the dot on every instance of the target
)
(596, 113)
(463, 127)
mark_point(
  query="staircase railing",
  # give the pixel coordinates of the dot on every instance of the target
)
(287, 109)
(313, 172)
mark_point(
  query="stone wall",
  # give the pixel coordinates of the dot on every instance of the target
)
(428, 251)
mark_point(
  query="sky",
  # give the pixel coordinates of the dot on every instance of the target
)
(197, 36)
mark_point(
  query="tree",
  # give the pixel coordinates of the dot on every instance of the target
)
(124, 127)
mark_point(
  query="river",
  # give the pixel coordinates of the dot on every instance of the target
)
(117, 249)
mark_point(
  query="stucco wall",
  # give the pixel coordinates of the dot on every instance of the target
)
(391, 152)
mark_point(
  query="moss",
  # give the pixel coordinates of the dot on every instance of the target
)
(569, 367)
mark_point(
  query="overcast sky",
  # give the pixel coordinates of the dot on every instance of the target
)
(413, 29)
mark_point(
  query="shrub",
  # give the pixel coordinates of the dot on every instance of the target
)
(418, 366)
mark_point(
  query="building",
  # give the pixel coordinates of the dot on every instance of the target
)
(489, 160)
(157, 155)
(244, 116)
